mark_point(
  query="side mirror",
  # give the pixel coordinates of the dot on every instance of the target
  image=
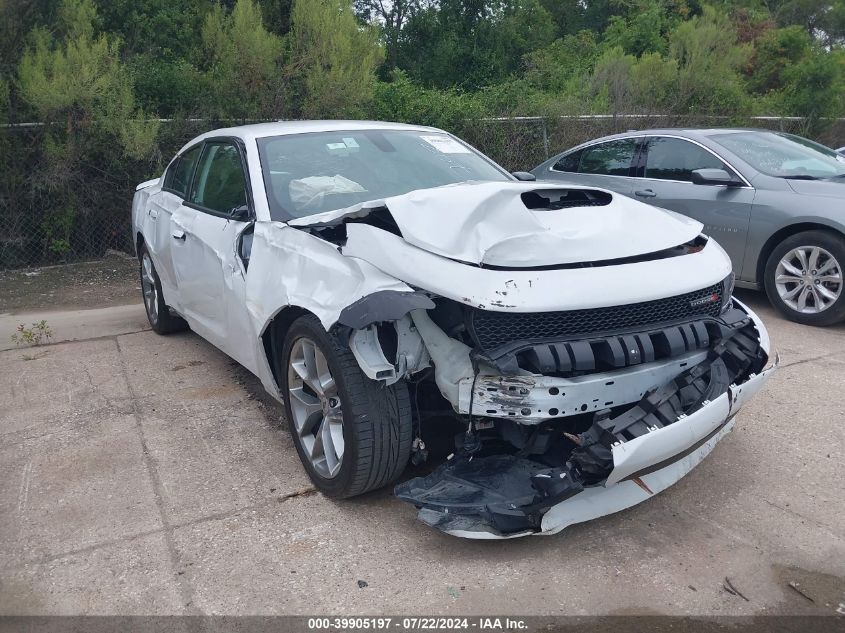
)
(713, 177)
(525, 176)
(239, 214)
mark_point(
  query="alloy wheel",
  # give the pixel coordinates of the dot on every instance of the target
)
(148, 287)
(315, 407)
(809, 279)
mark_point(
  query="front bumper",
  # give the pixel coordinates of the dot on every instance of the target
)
(497, 496)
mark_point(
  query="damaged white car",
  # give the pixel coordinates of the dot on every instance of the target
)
(377, 277)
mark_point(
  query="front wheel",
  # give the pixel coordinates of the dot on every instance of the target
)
(804, 278)
(352, 434)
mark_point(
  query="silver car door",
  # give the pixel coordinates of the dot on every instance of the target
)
(607, 165)
(204, 235)
(666, 169)
(162, 206)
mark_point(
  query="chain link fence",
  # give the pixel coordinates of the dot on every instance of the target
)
(61, 209)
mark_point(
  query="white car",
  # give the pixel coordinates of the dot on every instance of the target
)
(385, 281)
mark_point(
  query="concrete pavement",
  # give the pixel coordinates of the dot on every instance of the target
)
(142, 474)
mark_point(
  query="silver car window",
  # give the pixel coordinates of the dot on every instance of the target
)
(612, 158)
(783, 155)
(675, 159)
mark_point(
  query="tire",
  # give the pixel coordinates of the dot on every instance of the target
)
(161, 319)
(823, 286)
(375, 419)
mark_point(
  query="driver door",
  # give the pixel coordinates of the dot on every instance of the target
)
(204, 232)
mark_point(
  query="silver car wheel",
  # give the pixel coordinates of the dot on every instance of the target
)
(315, 407)
(809, 279)
(148, 287)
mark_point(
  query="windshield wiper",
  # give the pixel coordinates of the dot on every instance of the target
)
(801, 177)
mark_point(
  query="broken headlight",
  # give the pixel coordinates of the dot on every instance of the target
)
(727, 291)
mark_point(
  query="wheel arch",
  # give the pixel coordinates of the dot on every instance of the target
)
(139, 242)
(275, 331)
(781, 234)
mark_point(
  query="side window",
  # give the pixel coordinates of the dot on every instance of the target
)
(569, 162)
(179, 174)
(676, 159)
(219, 183)
(612, 158)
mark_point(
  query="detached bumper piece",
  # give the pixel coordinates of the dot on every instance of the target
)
(507, 495)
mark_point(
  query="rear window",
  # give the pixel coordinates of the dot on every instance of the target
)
(178, 178)
(612, 158)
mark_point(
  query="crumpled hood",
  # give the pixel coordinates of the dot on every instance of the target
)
(490, 223)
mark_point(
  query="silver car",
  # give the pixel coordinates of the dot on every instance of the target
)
(774, 201)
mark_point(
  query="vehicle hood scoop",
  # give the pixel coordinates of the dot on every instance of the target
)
(522, 225)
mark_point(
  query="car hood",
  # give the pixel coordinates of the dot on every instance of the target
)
(506, 224)
(828, 188)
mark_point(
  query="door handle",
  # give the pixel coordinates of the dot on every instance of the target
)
(645, 193)
(178, 235)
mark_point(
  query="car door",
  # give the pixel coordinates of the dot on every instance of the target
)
(204, 233)
(161, 207)
(608, 165)
(664, 173)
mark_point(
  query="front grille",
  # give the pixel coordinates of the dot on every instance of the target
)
(491, 330)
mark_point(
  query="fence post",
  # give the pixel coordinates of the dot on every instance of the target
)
(545, 138)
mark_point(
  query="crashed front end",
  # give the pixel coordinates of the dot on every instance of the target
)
(596, 423)
(587, 345)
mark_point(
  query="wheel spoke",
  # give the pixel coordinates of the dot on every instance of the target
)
(307, 410)
(802, 299)
(836, 279)
(826, 293)
(336, 427)
(813, 264)
(790, 294)
(332, 461)
(801, 254)
(787, 265)
(830, 263)
(323, 375)
(787, 279)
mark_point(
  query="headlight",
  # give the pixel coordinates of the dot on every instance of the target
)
(727, 291)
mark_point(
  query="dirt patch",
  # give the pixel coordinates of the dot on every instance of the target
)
(107, 282)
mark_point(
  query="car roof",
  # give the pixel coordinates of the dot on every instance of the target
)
(688, 132)
(281, 128)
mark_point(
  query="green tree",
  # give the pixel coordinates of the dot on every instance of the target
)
(333, 60)
(562, 65)
(472, 43)
(709, 58)
(642, 31)
(81, 81)
(242, 63)
(77, 85)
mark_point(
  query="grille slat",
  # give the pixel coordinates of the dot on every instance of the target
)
(494, 329)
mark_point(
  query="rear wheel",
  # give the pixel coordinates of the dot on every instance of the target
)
(804, 278)
(158, 313)
(352, 434)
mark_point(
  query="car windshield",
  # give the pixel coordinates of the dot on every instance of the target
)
(315, 172)
(784, 155)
